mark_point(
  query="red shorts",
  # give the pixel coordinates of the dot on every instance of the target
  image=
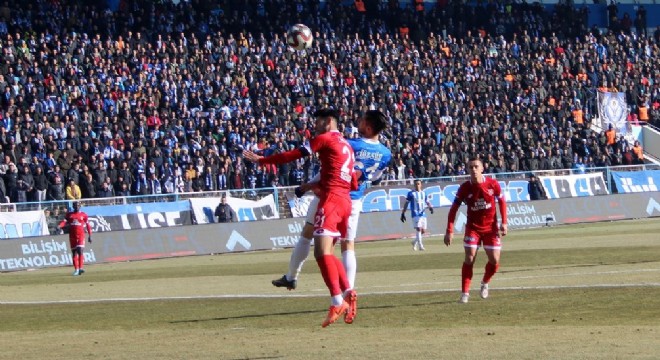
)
(332, 215)
(488, 239)
(77, 242)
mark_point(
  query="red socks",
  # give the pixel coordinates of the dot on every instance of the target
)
(490, 271)
(341, 272)
(330, 272)
(81, 260)
(75, 261)
(466, 277)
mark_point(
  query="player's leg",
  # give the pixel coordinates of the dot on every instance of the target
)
(74, 258)
(350, 261)
(418, 234)
(329, 215)
(422, 230)
(81, 259)
(348, 244)
(300, 251)
(471, 245)
(492, 247)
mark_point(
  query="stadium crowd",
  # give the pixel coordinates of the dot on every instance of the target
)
(162, 98)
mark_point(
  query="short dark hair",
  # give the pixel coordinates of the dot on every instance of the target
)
(376, 119)
(327, 112)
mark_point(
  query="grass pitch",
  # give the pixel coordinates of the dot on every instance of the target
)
(572, 292)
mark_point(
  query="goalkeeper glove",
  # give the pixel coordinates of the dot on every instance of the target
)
(431, 210)
(403, 217)
(89, 239)
(299, 192)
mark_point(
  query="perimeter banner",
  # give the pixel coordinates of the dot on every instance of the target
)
(138, 216)
(23, 254)
(636, 181)
(243, 209)
(388, 198)
(22, 224)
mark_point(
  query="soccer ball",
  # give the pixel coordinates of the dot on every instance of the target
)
(299, 37)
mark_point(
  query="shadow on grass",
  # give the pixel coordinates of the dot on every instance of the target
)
(578, 266)
(256, 316)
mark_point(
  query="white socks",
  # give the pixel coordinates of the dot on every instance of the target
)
(298, 257)
(350, 264)
(418, 239)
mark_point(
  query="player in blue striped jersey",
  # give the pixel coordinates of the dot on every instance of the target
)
(418, 202)
(371, 160)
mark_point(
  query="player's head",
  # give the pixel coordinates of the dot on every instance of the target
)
(372, 123)
(76, 206)
(326, 120)
(475, 167)
(418, 185)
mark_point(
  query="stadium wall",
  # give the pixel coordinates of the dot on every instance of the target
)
(108, 247)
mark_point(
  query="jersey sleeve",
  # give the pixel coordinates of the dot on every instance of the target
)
(497, 189)
(461, 193)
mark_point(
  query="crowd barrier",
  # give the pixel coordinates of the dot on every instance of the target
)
(131, 215)
(49, 251)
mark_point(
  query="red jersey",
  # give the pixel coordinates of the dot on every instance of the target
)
(76, 221)
(480, 199)
(336, 156)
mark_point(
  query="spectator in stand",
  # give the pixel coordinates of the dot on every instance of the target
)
(535, 189)
(73, 191)
(224, 212)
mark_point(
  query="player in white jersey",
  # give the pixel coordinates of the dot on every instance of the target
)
(418, 202)
(371, 159)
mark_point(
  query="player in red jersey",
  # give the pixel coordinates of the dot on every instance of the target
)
(331, 220)
(479, 194)
(76, 220)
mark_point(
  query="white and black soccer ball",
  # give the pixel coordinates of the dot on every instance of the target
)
(299, 37)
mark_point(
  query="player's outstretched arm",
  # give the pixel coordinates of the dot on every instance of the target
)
(281, 158)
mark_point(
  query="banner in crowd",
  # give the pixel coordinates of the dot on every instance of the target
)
(613, 110)
(636, 181)
(244, 210)
(39, 252)
(557, 187)
(22, 224)
(138, 216)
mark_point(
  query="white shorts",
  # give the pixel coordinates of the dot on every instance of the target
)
(356, 209)
(419, 222)
(311, 210)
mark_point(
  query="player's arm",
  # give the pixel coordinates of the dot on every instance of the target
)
(281, 158)
(311, 185)
(428, 203)
(403, 212)
(89, 229)
(501, 202)
(451, 217)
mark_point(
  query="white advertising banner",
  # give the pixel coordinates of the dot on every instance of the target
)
(23, 224)
(244, 210)
(577, 185)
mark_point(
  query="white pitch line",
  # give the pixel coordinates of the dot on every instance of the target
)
(273, 296)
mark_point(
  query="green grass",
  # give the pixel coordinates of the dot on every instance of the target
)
(574, 292)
